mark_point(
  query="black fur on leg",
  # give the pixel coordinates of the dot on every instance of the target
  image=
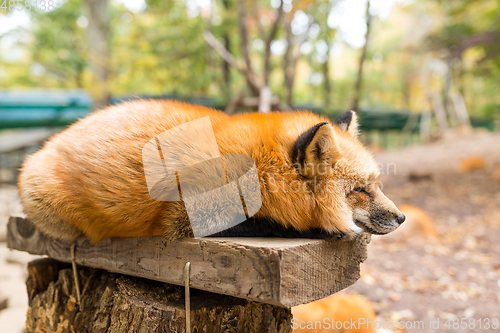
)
(255, 227)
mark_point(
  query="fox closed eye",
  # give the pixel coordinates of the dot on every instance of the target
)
(360, 189)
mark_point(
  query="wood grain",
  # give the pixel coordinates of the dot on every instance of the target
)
(278, 271)
(114, 303)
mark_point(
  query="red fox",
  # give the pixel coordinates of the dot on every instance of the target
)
(316, 178)
(472, 163)
(337, 313)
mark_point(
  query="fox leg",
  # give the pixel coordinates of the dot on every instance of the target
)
(255, 227)
(175, 222)
(48, 222)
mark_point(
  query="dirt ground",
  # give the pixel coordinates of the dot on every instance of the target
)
(13, 273)
(457, 277)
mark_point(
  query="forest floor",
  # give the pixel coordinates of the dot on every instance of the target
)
(457, 276)
(453, 278)
(13, 271)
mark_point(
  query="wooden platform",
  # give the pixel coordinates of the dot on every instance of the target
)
(284, 272)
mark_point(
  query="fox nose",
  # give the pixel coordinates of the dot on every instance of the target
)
(401, 218)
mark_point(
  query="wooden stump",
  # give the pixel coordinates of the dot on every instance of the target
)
(128, 284)
(117, 303)
(276, 271)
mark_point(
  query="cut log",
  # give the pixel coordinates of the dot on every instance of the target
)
(278, 271)
(113, 303)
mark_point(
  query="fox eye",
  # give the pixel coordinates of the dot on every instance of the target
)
(359, 189)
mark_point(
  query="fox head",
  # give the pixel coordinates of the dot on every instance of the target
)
(344, 179)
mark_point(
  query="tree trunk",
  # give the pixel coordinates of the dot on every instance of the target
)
(406, 87)
(357, 87)
(115, 303)
(439, 112)
(98, 45)
(242, 13)
(326, 78)
(79, 75)
(265, 98)
(288, 68)
(268, 41)
(446, 95)
(227, 40)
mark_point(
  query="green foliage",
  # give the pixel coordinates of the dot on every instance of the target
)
(491, 111)
(161, 50)
(59, 44)
(450, 35)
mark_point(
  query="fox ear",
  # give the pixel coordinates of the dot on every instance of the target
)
(315, 149)
(348, 122)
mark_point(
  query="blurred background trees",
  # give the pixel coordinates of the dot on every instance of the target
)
(419, 53)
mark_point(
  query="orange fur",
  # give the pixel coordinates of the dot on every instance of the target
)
(89, 178)
(418, 225)
(472, 163)
(340, 307)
